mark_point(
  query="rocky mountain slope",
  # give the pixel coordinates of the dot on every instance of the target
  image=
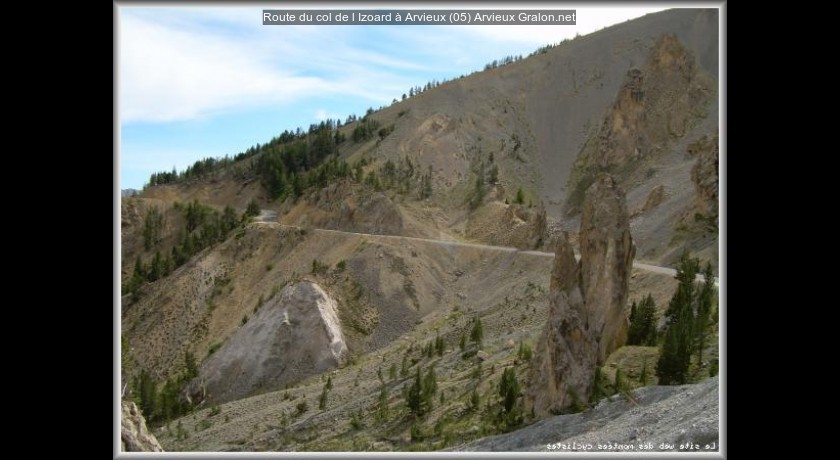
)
(293, 335)
(629, 100)
(652, 419)
(451, 217)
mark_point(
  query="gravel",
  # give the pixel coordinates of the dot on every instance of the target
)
(660, 418)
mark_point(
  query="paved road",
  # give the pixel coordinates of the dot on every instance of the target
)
(267, 216)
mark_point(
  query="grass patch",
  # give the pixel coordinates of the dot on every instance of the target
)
(213, 348)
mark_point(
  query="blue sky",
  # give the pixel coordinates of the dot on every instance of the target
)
(196, 82)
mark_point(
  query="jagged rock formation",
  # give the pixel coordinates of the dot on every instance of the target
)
(622, 138)
(565, 362)
(654, 106)
(587, 318)
(135, 435)
(295, 334)
(606, 258)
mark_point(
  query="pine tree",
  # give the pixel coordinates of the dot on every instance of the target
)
(477, 333)
(619, 384)
(148, 394)
(474, 399)
(642, 323)
(137, 278)
(156, 267)
(509, 389)
(597, 387)
(520, 196)
(426, 184)
(440, 346)
(190, 365)
(643, 378)
(429, 390)
(672, 367)
(322, 401)
(704, 310)
(152, 226)
(329, 384)
(420, 396)
(253, 208)
(478, 190)
(413, 399)
(382, 411)
(682, 332)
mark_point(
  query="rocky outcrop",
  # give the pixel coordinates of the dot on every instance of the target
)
(622, 137)
(587, 318)
(511, 225)
(135, 435)
(655, 106)
(565, 362)
(704, 175)
(295, 334)
(676, 90)
(606, 259)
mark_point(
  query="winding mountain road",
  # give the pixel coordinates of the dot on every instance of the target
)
(270, 217)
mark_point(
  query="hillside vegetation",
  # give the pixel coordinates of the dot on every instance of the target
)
(382, 283)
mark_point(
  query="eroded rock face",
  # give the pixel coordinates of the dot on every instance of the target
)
(606, 259)
(587, 318)
(135, 435)
(705, 175)
(564, 368)
(295, 334)
(655, 106)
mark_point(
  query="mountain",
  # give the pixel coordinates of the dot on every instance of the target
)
(298, 295)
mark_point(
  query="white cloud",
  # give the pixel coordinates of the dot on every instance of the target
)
(187, 63)
(169, 74)
(174, 69)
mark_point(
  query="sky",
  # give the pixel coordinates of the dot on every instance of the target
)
(209, 81)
